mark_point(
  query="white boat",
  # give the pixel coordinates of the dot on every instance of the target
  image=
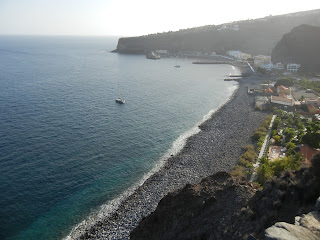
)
(177, 65)
(120, 100)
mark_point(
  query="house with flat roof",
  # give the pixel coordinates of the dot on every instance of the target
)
(278, 66)
(293, 67)
(261, 60)
(282, 100)
(314, 101)
(238, 55)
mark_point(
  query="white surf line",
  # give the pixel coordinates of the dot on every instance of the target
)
(111, 206)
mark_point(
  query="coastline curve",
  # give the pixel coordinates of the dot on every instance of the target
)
(109, 208)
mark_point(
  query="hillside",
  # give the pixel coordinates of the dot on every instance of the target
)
(221, 207)
(301, 45)
(257, 36)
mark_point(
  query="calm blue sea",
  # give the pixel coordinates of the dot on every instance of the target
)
(66, 147)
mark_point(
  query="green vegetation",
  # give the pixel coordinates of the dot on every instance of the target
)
(285, 81)
(291, 124)
(312, 136)
(242, 169)
(289, 133)
(237, 171)
(294, 131)
(289, 130)
(310, 85)
(261, 132)
(245, 162)
(262, 70)
(268, 169)
(277, 139)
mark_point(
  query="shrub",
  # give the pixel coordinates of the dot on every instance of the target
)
(243, 162)
(273, 133)
(237, 171)
(276, 123)
(258, 134)
(249, 156)
(285, 81)
(290, 146)
(249, 148)
(264, 173)
(312, 137)
(277, 139)
(262, 129)
(269, 169)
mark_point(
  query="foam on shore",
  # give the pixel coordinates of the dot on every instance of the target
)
(111, 206)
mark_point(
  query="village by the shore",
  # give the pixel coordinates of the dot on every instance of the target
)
(222, 138)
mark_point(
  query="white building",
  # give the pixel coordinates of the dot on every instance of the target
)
(268, 67)
(293, 67)
(261, 60)
(278, 66)
(238, 55)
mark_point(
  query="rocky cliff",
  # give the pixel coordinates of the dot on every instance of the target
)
(221, 207)
(257, 36)
(301, 45)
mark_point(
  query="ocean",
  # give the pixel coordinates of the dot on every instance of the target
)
(66, 146)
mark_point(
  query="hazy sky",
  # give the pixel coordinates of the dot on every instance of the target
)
(132, 17)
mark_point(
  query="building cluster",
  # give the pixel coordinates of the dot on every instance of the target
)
(260, 61)
(238, 55)
(287, 98)
(234, 27)
(192, 54)
(263, 61)
(278, 151)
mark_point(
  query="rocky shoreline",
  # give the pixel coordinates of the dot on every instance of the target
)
(215, 148)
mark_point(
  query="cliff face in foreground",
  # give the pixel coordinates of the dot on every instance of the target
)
(257, 36)
(301, 45)
(220, 207)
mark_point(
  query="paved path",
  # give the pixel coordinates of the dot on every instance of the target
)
(263, 150)
(251, 67)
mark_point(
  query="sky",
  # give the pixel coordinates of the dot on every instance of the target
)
(132, 17)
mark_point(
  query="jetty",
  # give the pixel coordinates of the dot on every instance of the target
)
(213, 62)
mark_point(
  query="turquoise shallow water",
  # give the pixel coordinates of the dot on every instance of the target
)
(66, 147)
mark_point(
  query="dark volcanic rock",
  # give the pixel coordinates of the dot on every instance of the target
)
(300, 46)
(198, 211)
(220, 207)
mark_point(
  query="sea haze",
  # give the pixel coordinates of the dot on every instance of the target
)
(66, 147)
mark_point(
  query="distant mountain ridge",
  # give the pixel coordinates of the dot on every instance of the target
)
(256, 37)
(301, 45)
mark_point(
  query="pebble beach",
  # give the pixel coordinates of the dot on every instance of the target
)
(217, 147)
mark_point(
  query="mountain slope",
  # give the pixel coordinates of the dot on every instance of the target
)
(257, 36)
(220, 207)
(301, 45)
